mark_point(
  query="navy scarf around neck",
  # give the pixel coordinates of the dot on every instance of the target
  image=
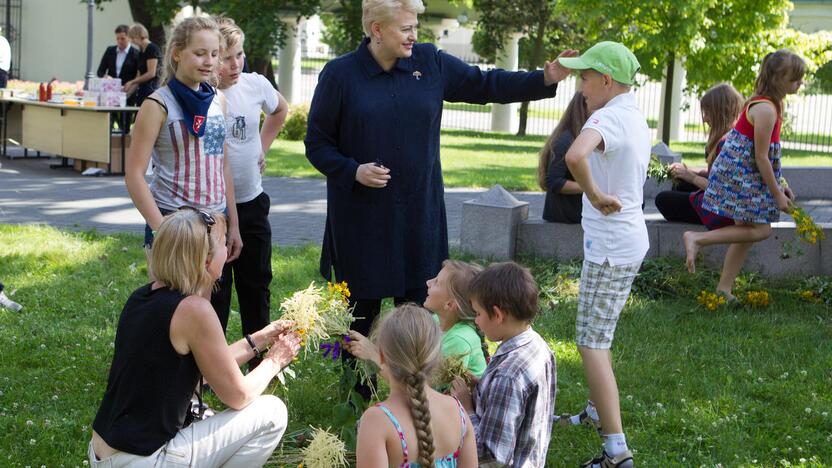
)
(194, 104)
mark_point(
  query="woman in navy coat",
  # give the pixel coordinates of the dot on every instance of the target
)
(373, 131)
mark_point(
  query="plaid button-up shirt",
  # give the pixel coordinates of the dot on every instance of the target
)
(515, 403)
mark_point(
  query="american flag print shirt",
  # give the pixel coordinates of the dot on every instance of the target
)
(188, 170)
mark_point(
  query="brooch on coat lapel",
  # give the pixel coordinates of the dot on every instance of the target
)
(417, 74)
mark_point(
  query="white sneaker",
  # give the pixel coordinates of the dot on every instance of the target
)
(8, 303)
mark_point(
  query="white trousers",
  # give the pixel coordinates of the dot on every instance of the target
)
(244, 438)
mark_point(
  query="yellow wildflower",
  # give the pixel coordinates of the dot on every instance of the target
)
(757, 298)
(318, 315)
(807, 230)
(810, 296)
(710, 300)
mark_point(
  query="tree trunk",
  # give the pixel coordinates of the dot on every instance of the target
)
(140, 9)
(668, 99)
(263, 66)
(534, 62)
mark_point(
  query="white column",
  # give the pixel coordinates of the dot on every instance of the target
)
(288, 70)
(504, 117)
(438, 29)
(676, 115)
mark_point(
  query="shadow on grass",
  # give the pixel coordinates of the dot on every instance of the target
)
(493, 148)
(493, 135)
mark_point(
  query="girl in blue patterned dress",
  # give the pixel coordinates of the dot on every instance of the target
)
(744, 181)
(415, 426)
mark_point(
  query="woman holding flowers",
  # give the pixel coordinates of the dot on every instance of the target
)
(168, 338)
(373, 131)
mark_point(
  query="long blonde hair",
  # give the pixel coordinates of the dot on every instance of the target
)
(180, 38)
(181, 248)
(409, 340)
(384, 11)
(723, 105)
(573, 120)
(779, 68)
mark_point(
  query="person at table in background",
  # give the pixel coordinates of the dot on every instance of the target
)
(121, 60)
(563, 194)
(150, 65)
(5, 59)
(373, 131)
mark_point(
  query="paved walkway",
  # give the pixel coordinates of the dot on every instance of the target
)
(31, 192)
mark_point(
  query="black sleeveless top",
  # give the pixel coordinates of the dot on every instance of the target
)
(150, 385)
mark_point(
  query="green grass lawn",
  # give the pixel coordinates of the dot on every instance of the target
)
(481, 159)
(734, 387)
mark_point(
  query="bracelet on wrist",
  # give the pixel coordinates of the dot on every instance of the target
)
(250, 341)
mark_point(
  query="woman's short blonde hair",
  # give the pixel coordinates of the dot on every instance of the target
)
(231, 33)
(384, 11)
(182, 247)
(137, 31)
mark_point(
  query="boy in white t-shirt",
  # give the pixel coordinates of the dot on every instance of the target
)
(609, 160)
(247, 95)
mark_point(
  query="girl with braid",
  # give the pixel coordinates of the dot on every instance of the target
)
(448, 298)
(415, 426)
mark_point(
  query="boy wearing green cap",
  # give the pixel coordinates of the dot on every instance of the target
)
(609, 160)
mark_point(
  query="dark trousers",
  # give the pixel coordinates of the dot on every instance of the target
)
(367, 310)
(4, 78)
(251, 273)
(675, 204)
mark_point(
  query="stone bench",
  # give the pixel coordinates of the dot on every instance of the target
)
(496, 226)
(564, 242)
(807, 182)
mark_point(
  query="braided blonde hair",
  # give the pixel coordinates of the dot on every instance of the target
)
(409, 339)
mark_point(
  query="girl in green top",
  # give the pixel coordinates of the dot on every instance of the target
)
(448, 298)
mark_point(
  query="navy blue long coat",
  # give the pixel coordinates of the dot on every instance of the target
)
(389, 240)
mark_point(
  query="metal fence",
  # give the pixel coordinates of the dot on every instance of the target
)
(808, 123)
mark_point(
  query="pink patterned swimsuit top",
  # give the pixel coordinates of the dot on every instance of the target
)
(448, 461)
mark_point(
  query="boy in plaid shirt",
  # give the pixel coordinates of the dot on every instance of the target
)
(513, 403)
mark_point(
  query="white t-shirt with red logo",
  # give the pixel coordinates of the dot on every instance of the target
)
(620, 170)
(244, 101)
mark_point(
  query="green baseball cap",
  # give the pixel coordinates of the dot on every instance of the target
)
(608, 58)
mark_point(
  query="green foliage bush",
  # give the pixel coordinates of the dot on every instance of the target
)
(295, 127)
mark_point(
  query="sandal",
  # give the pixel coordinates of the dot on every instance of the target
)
(622, 460)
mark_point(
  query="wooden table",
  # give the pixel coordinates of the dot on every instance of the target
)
(77, 132)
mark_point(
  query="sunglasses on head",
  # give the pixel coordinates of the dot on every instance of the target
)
(207, 218)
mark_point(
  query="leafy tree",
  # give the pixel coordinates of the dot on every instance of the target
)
(720, 40)
(264, 27)
(343, 31)
(816, 48)
(153, 14)
(546, 28)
